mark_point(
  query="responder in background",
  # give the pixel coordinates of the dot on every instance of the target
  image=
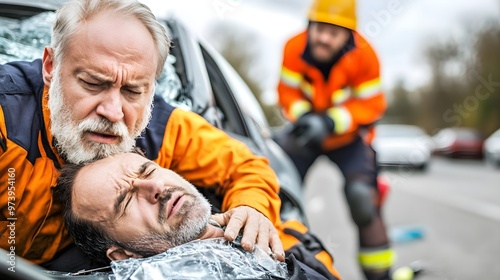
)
(91, 96)
(330, 90)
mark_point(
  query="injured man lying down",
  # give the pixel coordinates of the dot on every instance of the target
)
(150, 221)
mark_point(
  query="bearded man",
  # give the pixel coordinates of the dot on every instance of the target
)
(126, 206)
(91, 96)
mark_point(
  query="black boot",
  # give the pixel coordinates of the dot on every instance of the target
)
(377, 275)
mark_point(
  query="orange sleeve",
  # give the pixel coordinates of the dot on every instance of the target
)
(290, 96)
(30, 221)
(208, 157)
(367, 103)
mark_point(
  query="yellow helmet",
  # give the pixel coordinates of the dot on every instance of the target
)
(338, 12)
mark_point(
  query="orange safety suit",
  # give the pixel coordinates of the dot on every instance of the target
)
(185, 143)
(351, 96)
(31, 223)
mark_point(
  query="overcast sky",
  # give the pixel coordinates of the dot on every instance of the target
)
(398, 29)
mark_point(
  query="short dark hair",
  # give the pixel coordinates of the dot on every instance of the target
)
(90, 237)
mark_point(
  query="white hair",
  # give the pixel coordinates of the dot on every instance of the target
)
(70, 16)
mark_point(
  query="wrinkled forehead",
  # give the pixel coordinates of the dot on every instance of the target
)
(111, 36)
(97, 185)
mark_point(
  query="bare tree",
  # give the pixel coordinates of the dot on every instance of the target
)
(240, 46)
(464, 89)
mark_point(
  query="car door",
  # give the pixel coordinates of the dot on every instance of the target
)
(242, 116)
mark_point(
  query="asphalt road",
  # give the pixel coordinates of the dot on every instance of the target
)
(456, 204)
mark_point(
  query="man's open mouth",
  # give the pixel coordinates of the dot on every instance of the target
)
(174, 204)
(102, 137)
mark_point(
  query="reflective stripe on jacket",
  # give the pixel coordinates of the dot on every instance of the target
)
(352, 96)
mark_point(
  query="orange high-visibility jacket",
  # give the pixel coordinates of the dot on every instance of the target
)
(31, 224)
(352, 95)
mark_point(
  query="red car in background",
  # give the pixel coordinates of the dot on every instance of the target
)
(459, 142)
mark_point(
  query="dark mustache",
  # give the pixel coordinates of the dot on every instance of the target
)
(319, 44)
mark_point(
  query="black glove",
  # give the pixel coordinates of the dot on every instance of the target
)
(311, 129)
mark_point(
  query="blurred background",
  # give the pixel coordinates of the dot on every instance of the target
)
(441, 73)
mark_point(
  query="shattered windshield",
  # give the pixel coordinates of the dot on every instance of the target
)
(24, 40)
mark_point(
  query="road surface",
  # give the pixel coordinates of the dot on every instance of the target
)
(456, 203)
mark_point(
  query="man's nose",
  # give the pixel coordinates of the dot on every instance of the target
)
(111, 106)
(150, 190)
(324, 37)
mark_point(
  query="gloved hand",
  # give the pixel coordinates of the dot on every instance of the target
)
(311, 129)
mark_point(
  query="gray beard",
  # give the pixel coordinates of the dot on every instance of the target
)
(69, 134)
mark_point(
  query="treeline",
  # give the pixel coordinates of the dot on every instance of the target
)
(464, 89)
(241, 47)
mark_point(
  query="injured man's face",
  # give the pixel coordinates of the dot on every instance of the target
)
(142, 208)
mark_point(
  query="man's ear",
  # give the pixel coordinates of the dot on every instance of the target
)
(116, 253)
(47, 64)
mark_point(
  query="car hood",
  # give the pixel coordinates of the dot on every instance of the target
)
(492, 144)
(423, 143)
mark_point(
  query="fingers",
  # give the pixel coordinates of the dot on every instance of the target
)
(263, 237)
(251, 230)
(268, 237)
(276, 245)
(234, 220)
(237, 219)
(257, 230)
(219, 219)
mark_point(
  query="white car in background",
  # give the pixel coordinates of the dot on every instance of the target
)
(402, 145)
(492, 148)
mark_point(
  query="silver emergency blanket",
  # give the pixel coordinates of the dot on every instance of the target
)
(213, 258)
